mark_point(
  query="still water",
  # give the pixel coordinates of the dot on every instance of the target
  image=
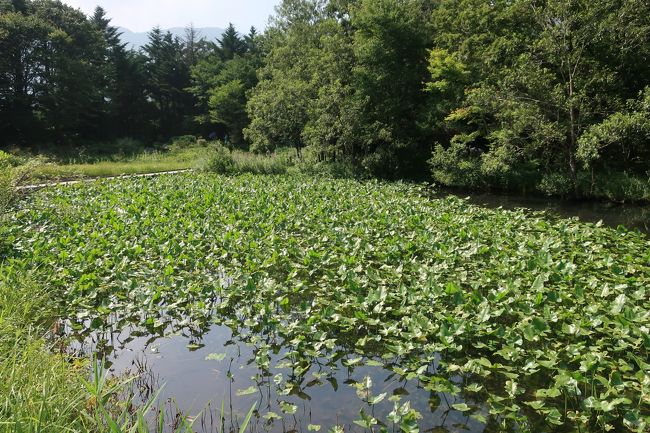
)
(198, 373)
(632, 217)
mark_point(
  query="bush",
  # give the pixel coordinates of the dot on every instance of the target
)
(6, 191)
(617, 186)
(311, 164)
(8, 160)
(221, 162)
(456, 167)
(128, 146)
(556, 184)
(8, 173)
(183, 142)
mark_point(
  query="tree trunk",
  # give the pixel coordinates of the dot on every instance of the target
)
(573, 137)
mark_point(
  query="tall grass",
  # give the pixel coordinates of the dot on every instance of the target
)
(223, 161)
(40, 391)
(154, 162)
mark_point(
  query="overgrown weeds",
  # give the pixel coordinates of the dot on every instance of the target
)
(224, 161)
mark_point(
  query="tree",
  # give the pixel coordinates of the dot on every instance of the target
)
(221, 81)
(278, 106)
(49, 73)
(231, 44)
(252, 40)
(622, 140)
(390, 46)
(167, 77)
(543, 72)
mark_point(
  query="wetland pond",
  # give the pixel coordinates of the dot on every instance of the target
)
(201, 371)
(338, 305)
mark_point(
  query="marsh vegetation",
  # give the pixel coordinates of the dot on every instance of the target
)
(504, 320)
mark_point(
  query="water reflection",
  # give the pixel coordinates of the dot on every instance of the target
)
(202, 370)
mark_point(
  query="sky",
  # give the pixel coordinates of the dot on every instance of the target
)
(143, 15)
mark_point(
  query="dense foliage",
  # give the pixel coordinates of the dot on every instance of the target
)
(544, 323)
(67, 79)
(528, 95)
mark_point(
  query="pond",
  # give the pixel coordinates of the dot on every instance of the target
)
(344, 305)
(633, 217)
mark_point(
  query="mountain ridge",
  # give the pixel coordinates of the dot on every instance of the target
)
(137, 40)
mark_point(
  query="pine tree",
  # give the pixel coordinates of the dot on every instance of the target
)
(231, 44)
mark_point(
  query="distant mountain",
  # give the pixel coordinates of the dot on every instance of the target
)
(139, 39)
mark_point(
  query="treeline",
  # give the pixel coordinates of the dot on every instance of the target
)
(68, 80)
(529, 95)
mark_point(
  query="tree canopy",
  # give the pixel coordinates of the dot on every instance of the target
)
(545, 95)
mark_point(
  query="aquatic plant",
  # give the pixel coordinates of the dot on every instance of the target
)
(534, 323)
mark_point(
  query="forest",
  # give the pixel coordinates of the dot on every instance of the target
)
(546, 96)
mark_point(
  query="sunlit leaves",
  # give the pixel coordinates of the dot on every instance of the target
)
(500, 315)
(215, 357)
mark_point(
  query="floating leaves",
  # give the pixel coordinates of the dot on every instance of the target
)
(215, 357)
(523, 319)
(461, 407)
(248, 391)
(288, 408)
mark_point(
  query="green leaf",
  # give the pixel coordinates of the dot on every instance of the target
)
(288, 408)
(618, 304)
(248, 391)
(377, 399)
(215, 357)
(462, 407)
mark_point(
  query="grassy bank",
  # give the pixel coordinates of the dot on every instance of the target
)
(139, 164)
(190, 153)
(40, 391)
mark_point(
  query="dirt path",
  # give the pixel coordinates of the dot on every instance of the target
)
(92, 179)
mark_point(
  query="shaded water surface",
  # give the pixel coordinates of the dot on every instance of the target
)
(633, 217)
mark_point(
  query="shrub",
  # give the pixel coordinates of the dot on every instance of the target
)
(556, 183)
(5, 159)
(6, 190)
(618, 186)
(455, 166)
(311, 164)
(183, 142)
(8, 174)
(129, 146)
(261, 164)
(8, 160)
(221, 162)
